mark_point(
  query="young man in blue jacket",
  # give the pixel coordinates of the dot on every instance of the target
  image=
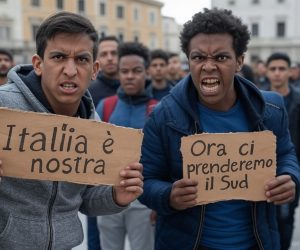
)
(38, 214)
(129, 108)
(213, 100)
(278, 72)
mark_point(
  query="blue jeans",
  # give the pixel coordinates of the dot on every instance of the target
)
(93, 234)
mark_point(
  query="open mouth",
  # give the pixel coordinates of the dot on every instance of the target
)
(210, 86)
(68, 86)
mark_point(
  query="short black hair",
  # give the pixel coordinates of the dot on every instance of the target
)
(134, 48)
(7, 53)
(216, 21)
(247, 72)
(173, 54)
(108, 38)
(65, 22)
(279, 56)
(159, 53)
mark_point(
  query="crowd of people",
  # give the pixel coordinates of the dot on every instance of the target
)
(73, 73)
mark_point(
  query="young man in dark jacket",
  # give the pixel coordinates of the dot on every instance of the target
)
(158, 72)
(107, 81)
(213, 100)
(278, 72)
(44, 214)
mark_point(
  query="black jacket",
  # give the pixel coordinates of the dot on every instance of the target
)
(103, 87)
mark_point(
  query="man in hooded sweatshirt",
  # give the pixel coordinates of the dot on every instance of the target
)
(36, 214)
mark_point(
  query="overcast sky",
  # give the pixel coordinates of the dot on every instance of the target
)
(183, 10)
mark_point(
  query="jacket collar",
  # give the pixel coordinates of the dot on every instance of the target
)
(249, 95)
(143, 97)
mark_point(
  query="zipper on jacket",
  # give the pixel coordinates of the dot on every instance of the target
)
(196, 246)
(254, 221)
(49, 212)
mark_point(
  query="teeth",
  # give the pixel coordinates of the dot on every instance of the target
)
(210, 89)
(68, 85)
(210, 81)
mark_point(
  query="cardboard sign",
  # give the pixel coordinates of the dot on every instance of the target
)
(61, 148)
(230, 166)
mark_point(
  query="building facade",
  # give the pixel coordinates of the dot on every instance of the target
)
(273, 25)
(129, 20)
(171, 33)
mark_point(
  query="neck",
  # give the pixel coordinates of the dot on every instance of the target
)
(111, 76)
(67, 110)
(3, 80)
(282, 90)
(159, 84)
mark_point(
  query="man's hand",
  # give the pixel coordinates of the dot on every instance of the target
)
(131, 184)
(183, 194)
(280, 190)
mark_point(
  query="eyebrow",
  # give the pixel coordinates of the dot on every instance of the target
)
(59, 52)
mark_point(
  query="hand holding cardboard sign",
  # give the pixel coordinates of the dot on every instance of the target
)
(183, 194)
(280, 190)
(131, 184)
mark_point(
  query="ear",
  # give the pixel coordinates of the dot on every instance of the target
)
(96, 68)
(240, 62)
(37, 63)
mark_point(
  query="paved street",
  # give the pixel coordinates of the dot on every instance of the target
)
(295, 244)
(296, 238)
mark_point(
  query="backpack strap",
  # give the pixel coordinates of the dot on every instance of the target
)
(150, 106)
(109, 105)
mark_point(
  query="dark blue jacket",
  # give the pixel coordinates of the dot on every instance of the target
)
(103, 87)
(177, 116)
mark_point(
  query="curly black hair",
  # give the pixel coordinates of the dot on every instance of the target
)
(134, 48)
(216, 21)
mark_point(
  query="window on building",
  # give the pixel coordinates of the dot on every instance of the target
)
(35, 3)
(120, 12)
(34, 29)
(255, 1)
(136, 15)
(152, 44)
(102, 9)
(231, 2)
(255, 29)
(81, 7)
(152, 18)
(60, 4)
(280, 29)
(5, 33)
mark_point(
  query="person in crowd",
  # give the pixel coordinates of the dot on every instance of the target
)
(107, 81)
(175, 72)
(295, 74)
(247, 73)
(36, 214)
(261, 79)
(106, 84)
(6, 63)
(278, 72)
(213, 99)
(158, 72)
(129, 108)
